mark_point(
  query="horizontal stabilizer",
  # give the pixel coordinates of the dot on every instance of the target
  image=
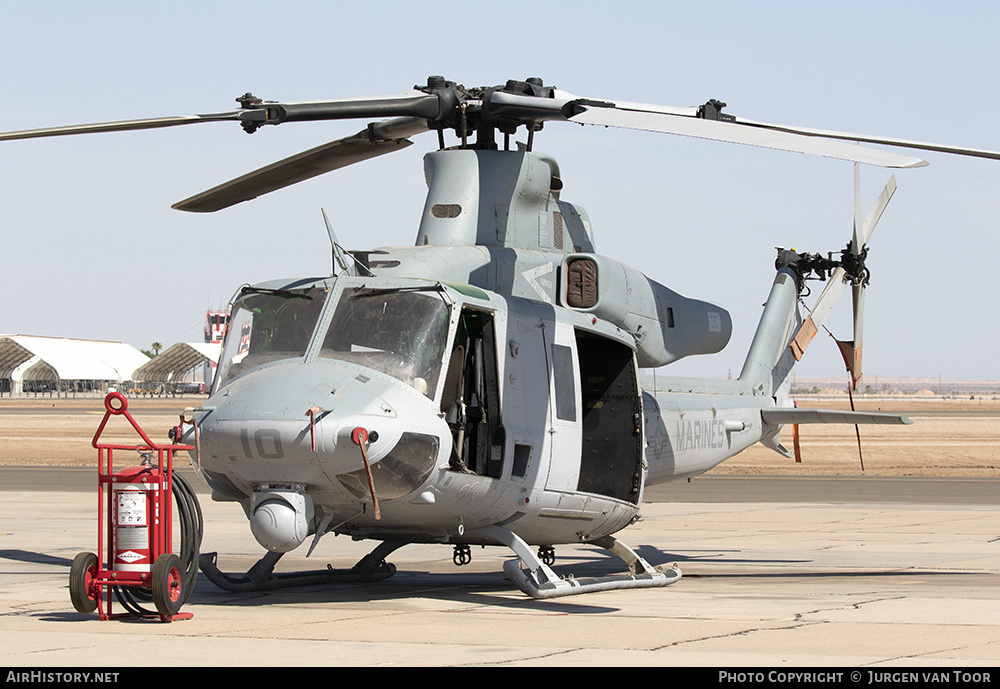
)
(795, 415)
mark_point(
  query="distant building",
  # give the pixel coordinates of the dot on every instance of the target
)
(215, 325)
(30, 363)
(174, 368)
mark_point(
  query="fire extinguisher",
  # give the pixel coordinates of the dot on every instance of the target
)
(135, 510)
(136, 519)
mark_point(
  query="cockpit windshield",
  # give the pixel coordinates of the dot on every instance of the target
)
(269, 325)
(400, 332)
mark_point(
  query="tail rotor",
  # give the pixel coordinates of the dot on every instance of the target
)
(858, 274)
(850, 269)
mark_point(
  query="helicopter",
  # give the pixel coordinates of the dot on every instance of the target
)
(486, 385)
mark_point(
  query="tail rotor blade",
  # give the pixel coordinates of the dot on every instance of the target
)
(857, 432)
(858, 245)
(854, 365)
(831, 294)
(877, 209)
(853, 350)
(838, 282)
(858, 240)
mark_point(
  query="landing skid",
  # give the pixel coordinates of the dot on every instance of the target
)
(261, 577)
(539, 581)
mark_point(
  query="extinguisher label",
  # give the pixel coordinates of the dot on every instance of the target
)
(136, 537)
(131, 508)
(132, 548)
(132, 529)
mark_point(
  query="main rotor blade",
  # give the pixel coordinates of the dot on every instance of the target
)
(411, 103)
(379, 139)
(690, 121)
(878, 140)
(122, 125)
(732, 132)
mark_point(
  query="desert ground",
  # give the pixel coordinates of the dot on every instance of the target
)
(948, 437)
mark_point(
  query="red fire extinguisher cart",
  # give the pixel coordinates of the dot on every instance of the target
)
(134, 512)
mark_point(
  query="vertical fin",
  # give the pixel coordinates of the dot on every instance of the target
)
(770, 341)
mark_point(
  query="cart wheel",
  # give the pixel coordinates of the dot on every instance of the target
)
(166, 582)
(82, 573)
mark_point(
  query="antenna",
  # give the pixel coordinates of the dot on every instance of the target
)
(339, 259)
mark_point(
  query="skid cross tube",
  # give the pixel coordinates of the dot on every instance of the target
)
(538, 580)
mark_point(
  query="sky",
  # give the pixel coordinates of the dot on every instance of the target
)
(92, 249)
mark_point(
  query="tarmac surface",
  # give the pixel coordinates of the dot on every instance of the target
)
(823, 572)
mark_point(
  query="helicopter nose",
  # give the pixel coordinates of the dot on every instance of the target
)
(313, 422)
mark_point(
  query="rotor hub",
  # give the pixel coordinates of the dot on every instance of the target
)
(818, 267)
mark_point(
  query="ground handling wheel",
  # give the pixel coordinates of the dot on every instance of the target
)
(82, 573)
(166, 583)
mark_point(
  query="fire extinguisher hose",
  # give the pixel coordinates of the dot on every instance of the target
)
(189, 515)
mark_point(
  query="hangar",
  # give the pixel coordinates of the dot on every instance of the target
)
(172, 364)
(31, 363)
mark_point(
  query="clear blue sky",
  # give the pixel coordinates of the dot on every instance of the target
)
(91, 248)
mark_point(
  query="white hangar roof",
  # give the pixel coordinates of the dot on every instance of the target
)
(59, 358)
(176, 360)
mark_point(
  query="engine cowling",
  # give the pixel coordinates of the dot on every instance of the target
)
(666, 326)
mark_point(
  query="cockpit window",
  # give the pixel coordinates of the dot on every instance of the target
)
(268, 325)
(400, 332)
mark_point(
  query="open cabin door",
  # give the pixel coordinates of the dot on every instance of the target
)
(611, 457)
(596, 417)
(471, 397)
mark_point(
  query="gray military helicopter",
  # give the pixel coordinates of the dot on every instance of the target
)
(483, 386)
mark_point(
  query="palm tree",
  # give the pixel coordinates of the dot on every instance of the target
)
(156, 348)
